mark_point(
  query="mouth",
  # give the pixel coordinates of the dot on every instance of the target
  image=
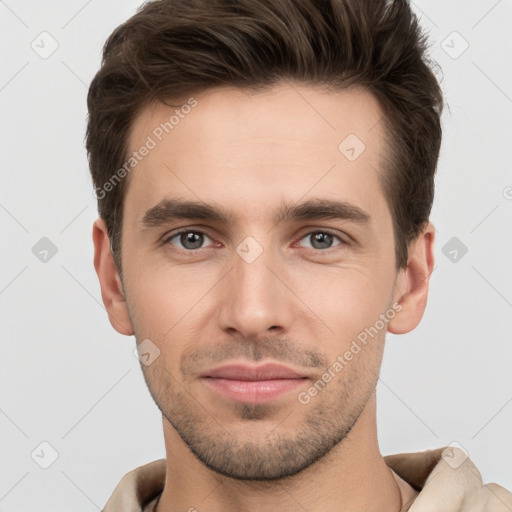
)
(253, 384)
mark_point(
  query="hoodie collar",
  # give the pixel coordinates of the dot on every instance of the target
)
(447, 481)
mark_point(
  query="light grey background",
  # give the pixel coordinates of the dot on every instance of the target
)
(68, 379)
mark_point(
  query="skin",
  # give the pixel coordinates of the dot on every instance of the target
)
(295, 305)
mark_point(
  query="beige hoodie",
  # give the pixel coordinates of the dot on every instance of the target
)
(445, 480)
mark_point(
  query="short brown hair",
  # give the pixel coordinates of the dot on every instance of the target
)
(173, 48)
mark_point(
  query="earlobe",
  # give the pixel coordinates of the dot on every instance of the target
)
(411, 287)
(110, 282)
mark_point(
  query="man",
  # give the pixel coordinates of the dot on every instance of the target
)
(265, 172)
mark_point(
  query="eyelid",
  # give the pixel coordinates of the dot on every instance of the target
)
(344, 237)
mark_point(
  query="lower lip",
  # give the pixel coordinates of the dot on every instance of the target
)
(253, 391)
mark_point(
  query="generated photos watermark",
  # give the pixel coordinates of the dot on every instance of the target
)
(305, 397)
(157, 135)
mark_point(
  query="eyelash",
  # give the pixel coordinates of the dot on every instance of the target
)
(309, 233)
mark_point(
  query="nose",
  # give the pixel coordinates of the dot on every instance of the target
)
(256, 297)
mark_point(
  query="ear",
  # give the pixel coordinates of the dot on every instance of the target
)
(110, 282)
(411, 286)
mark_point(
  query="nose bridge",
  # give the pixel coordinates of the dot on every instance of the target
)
(256, 299)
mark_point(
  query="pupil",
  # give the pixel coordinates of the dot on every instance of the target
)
(322, 238)
(195, 240)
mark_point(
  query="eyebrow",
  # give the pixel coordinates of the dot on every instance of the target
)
(169, 210)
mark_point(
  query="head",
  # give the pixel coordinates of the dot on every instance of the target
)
(295, 143)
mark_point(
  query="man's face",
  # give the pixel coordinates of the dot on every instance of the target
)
(297, 292)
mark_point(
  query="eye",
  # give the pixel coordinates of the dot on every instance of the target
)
(189, 239)
(192, 240)
(321, 240)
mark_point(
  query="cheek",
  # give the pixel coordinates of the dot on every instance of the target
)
(347, 298)
(168, 301)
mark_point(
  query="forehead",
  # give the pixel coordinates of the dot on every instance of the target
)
(251, 150)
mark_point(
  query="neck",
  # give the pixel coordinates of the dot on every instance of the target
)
(353, 476)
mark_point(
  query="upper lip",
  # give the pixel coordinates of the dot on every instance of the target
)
(267, 371)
